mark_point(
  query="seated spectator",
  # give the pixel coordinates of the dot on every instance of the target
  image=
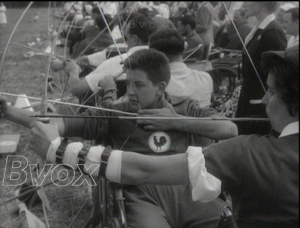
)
(227, 36)
(197, 85)
(91, 14)
(186, 26)
(102, 42)
(291, 26)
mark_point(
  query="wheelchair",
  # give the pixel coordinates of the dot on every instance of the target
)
(225, 71)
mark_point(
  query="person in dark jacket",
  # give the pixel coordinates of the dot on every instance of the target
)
(267, 35)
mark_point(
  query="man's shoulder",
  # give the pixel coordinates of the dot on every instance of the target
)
(177, 100)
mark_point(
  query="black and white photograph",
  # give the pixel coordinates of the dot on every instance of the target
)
(149, 114)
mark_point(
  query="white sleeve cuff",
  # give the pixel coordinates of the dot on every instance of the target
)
(51, 153)
(114, 167)
(205, 186)
(71, 154)
(93, 159)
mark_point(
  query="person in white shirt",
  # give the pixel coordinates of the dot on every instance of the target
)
(109, 8)
(136, 34)
(291, 26)
(198, 85)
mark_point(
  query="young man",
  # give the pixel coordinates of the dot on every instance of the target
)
(147, 206)
(261, 173)
(186, 26)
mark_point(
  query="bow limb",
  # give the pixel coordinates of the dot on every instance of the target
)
(244, 46)
(107, 26)
(100, 33)
(9, 40)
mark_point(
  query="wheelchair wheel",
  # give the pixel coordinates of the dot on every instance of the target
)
(114, 223)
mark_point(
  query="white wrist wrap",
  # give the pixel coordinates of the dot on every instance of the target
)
(51, 153)
(71, 154)
(114, 166)
(206, 187)
(93, 157)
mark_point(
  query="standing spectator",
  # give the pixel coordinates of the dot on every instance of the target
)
(202, 11)
(227, 36)
(186, 26)
(3, 20)
(266, 35)
(291, 26)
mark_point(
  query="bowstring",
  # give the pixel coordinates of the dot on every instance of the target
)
(244, 46)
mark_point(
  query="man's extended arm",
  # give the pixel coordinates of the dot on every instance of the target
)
(213, 129)
(23, 117)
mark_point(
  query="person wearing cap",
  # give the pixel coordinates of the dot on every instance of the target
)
(261, 173)
(291, 26)
(282, 10)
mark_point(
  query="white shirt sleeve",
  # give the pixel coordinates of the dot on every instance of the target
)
(205, 186)
(97, 58)
(110, 67)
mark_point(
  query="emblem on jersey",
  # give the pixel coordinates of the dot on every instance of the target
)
(159, 142)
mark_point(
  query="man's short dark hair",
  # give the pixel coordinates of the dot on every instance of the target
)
(168, 41)
(141, 26)
(154, 63)
(101, 23)
(188, 20)
(295, 13)
(285, 69)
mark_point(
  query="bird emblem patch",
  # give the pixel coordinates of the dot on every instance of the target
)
(159, 142)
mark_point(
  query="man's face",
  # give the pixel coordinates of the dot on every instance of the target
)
(276, 109)
(141, 92)
(288, 24)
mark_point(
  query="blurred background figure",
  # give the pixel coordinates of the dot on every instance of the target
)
(109, 8)
(186, 27)
(202, 12)
(283, 8)
(178, 9)
(3, 20)
(227, 36)
(291, 26)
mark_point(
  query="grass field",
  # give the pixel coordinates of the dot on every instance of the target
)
(23, 75)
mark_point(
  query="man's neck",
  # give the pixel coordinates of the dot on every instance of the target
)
(175, 58)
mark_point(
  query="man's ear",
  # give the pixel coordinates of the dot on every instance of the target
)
(161, 88)
(135, 40)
